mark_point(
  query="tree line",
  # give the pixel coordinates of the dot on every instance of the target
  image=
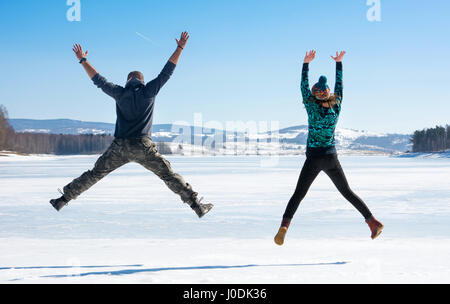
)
(427, 140)
(431, 140)
(6, 131)
(59, 144)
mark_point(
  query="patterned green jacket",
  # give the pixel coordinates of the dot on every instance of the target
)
(321, 121)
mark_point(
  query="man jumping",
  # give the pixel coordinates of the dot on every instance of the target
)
(132, 142)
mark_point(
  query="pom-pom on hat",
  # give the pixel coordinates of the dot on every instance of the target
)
(321, 90)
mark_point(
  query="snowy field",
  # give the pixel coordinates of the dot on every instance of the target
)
(129, 228)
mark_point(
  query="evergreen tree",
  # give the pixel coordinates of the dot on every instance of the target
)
(6, 131)
(431, 140)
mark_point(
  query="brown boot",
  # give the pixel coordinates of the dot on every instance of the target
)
(279, 238)
(375, 227)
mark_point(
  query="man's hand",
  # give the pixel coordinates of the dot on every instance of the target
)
(309, 56)
(339, 56)
(183, 40)
(180, 46)
(90, 70)
(78, 50)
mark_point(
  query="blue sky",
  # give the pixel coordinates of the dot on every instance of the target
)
(242, 62)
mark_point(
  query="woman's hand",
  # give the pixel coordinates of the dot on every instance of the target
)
(339, 56)
(310, 56)
(78, 50)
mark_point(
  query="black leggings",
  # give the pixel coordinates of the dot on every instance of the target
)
(331, 166)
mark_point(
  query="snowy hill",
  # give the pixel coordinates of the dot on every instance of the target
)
(349, 139)
(61, 126)
(290, 140)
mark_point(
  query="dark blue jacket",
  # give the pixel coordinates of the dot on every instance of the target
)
(135, 102)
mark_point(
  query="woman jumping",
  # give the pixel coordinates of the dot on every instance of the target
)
(323, 112)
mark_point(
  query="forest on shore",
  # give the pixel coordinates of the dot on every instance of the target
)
(432, 139)
(58, 144)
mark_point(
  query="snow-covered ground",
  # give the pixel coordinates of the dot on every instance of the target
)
(130, 229)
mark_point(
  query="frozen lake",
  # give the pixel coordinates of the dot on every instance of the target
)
(131, 228)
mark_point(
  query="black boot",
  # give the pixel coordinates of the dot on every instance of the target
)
(199, 208)
(59, 203)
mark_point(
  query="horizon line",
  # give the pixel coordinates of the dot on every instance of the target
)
(191, 125)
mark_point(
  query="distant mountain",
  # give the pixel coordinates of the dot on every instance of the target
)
(61, 126)
(69, 126)
(353, 139)
(290, 140)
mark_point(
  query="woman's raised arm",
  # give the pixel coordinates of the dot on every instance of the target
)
(306, 91)
(339, 87)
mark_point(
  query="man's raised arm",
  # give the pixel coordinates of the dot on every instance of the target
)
(82, 57)
(156, 84)
(109, 88)
(180, 47)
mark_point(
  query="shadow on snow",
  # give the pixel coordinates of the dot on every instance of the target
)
(134, 271)
(66, 267)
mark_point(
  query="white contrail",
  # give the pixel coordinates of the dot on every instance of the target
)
(146, 38)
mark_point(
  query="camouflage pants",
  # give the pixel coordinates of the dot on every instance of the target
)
(123, 151)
